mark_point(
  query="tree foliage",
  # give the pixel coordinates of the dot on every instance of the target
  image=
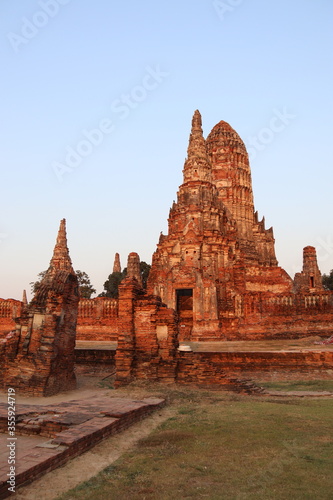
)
(327, 280)
(85, 287)
(112, 283)
(36, 284)
(144, 270)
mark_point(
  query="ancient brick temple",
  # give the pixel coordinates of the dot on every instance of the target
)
(214, 277)
(217, 266)
(37, 358)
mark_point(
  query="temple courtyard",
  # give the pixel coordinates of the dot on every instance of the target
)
(183, 442)
(234, 355)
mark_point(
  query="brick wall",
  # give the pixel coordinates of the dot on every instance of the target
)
(217, 368)
(97, 319)
(9, 309)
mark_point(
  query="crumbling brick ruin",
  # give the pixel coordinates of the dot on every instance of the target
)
(37, 358)
(147, 339)
(214, 277)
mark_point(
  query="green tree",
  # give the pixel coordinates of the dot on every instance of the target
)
(327, 280)
(144, 270)
(36, 284)
(112, 283)
(85, 287)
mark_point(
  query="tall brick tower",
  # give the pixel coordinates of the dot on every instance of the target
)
(231, 174)
(216, 250)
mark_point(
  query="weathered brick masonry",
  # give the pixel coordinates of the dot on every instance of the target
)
(9, 309)
(217, 269)
(147, 340)
(214, 277)
(97, 319)
(217, 265)
(73, 427)
(38, 357)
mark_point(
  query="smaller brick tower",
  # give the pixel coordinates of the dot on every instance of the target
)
(309, 279)
(116, 264)
(39, 357)
(133, 267)
(147, 339)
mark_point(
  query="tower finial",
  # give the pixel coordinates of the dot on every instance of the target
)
(196, 120)
(61, 260)
(197, 143)
(197, 165)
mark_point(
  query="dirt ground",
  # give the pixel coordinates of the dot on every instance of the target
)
(82, 468)
(51, 485)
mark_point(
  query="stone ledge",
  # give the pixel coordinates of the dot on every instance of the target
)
(89, 421)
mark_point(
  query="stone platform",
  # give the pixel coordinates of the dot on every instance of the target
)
(233, 362)
(293, 345)
(47, 436)
(215, 362)
(99, 345)
(306, 344)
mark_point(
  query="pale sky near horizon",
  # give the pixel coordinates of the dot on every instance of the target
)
(97, 102)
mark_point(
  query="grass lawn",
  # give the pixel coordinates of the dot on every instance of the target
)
(224, 446)
(306, 385)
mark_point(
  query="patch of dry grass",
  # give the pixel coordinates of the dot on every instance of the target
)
(299, 385)
(225, 446)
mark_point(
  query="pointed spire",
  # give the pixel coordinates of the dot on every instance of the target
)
(116, 265)
(197, 144)
(197, 165)
(24, 298)
(61, 260)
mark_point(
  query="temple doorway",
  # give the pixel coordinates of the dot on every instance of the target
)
(184, 301)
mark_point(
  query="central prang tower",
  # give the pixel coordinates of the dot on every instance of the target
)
(216, 250)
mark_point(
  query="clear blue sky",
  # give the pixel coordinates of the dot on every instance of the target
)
(138, 70)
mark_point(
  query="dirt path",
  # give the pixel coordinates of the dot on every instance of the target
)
(51, 485)
(82, 468)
